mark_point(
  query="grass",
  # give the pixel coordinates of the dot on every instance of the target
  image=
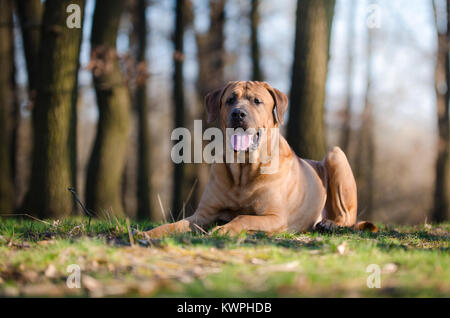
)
(34, 256)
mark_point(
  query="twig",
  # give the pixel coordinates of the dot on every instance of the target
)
(30, 216)
(85, 210)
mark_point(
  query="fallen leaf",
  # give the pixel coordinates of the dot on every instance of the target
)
(342, 247)
(90, 283)
(51, 271)
(390, 268)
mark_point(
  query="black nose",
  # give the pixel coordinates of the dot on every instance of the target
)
(238, 114)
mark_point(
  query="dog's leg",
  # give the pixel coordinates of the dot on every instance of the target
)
(341, 205)
(192, 223)
(253, 223)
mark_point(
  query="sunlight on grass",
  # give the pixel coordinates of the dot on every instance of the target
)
(34, 256)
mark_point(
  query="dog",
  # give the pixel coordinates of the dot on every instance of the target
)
(300, 195)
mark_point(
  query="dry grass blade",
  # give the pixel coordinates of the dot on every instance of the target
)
(202, 230)
(183, 210)
(162, 209)
(130, 235)
(27, 215)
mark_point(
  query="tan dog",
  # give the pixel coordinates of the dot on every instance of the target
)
(300, 195)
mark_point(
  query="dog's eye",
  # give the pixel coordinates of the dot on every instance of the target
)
(257, 101)
(231, 100)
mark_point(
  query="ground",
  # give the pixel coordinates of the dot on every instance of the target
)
(35, 255)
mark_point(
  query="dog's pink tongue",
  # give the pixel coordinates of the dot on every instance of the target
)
(241, 142)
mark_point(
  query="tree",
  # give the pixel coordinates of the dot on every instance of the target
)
(306, 128)
(52, 169)
(442, 84)
(365, 155)
(347, 120)
(255, 51)
(141, 106)
(107, 159)
(7, 107)
(30, 13)
(178, 99)
(211, 64)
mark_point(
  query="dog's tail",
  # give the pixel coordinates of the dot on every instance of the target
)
(365, 226)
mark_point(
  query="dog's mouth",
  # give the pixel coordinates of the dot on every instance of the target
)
(244, 141)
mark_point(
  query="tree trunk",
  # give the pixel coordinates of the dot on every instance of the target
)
(141, 105)
(107, 159)
(347, 115)
(178, 99)
(53, 113)
(29, 13)
(365, 158)
(7, 107)
(442, 84)
(255, 51)
(306, 127)
(211, 64)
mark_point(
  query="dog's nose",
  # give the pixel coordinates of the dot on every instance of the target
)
(238, 114)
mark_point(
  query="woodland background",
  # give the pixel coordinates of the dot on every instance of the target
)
(93, 108)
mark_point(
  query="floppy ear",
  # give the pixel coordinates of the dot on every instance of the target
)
(280, 103)
(212, 102)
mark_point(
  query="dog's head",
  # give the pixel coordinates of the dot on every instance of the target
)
(248, 105)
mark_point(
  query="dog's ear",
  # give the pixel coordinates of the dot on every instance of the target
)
(280, 103)
(213, 101)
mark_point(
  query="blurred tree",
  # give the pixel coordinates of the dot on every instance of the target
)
(107, 159)
(365, 153)
(29, 13)
(178, 99)
(347, 115)
(442, 84)
(211, 64)
(141, 107)
(306, 127)
(255, 51)
(54, 112)
(7, 107)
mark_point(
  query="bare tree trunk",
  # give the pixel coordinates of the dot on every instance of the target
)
(255, 50)
(442, 86)
(7, 107)
(365, 158)
(211, 63)
(107, 160)
(347, 120)
(179, 173)
(306, 127)
(141, 106)
(53, 114)
(30, 13)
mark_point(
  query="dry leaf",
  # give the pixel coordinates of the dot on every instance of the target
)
(341, 248)
(51, 271)
(390, 268)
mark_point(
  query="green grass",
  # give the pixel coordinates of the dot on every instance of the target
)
(34, 255)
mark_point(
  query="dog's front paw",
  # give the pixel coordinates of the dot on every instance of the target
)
(326, 226)
(158, 232)
(225, 230)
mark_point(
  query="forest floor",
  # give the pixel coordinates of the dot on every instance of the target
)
(35, 255)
